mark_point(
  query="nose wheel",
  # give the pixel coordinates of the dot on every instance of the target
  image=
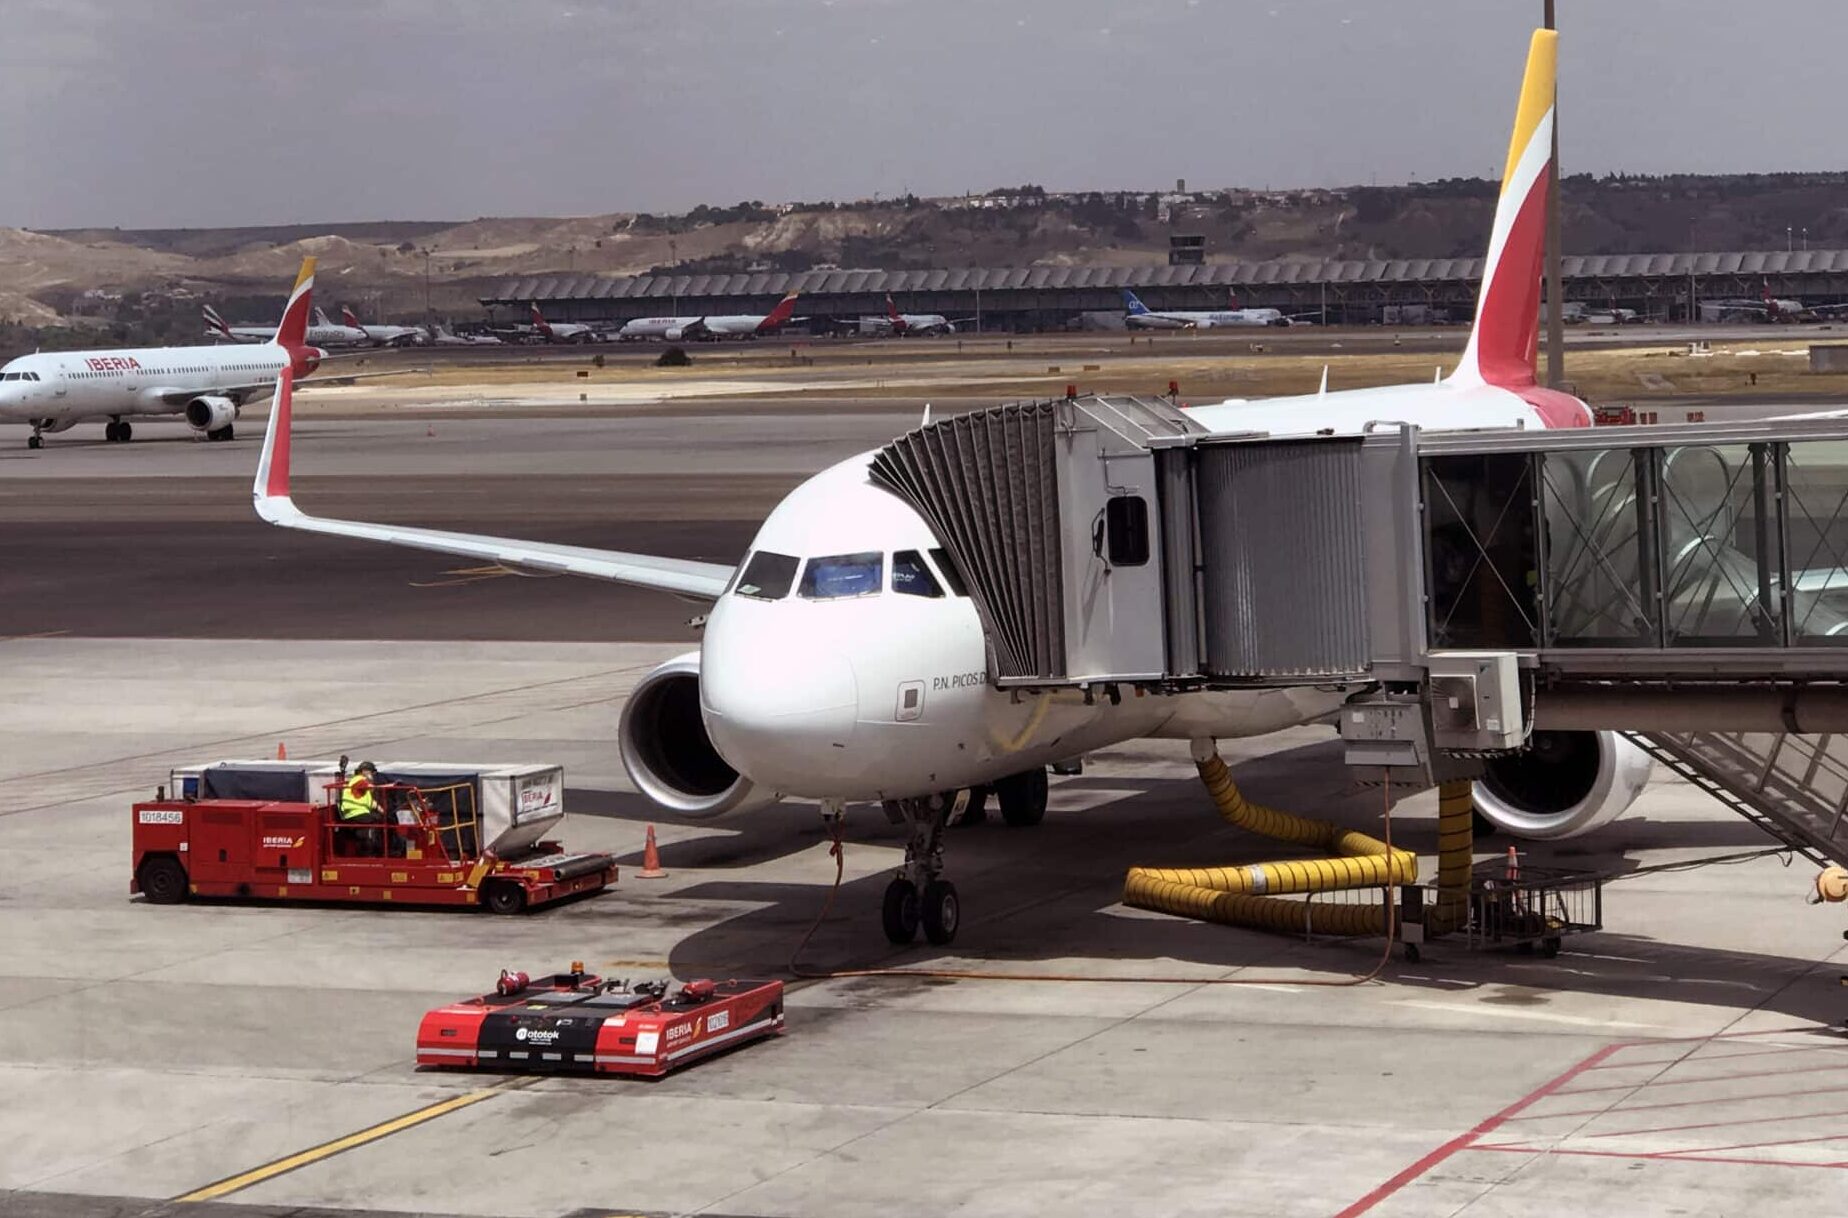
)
(919, 895)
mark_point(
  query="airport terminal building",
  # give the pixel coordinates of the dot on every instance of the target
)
(1665, 287)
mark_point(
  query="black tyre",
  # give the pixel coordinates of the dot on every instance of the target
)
(505, 898)
(977, 811)
(162, 879)
(942, 912)
(1412, 954)
(111, 431)
(1023, 798)
(34, 442)
(124, 432)
(900, 912)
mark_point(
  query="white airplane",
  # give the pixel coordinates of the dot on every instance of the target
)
(1139, 317)
(385, 336)
(561, 331)
(321, 332)
(1767, 308)
(55, 390)
(846, 601)
(902, 325)
(729, 325)
(444, 338)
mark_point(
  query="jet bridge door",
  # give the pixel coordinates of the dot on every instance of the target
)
(1283, 579)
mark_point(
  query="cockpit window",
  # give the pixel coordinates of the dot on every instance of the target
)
(767, 576)
(951, 575)
(911, 577)
(834, 576)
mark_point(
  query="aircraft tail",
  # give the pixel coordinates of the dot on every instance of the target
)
(216, 325)
(292, 331)
(785, 309)
(539, 322)
(347, 318)
(891, 309)
(1134, 306)
(1505, 340)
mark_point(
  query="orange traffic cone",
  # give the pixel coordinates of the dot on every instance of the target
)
(282, 753)
(651, 860)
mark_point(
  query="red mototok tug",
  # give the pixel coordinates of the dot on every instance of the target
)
(452, 835)
(577, 1022)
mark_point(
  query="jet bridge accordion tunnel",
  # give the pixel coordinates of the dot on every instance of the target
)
(1468, 586)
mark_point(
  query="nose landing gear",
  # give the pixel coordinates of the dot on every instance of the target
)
(918, 894)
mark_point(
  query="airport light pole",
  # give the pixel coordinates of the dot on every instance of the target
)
(1555, 282)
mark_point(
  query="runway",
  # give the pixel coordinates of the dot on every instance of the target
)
(263, 1052)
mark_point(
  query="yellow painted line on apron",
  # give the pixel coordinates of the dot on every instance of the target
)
(326, 1150)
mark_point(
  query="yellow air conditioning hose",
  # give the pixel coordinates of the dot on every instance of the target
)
(1250, 895)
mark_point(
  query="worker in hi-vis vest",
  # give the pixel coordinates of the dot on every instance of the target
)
(359, 806)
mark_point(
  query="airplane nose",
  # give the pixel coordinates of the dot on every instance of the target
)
(782, 717)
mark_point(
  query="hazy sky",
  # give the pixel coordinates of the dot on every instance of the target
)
(217, 112)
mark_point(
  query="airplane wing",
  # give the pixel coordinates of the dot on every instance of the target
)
(271, 494)
(177, 397)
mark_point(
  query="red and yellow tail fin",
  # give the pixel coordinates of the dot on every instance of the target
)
(785, 309)
(292, 331)
(1505, 340)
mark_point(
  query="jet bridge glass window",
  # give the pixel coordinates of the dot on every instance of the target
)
(836, 576)
(768, 576)
(910, 577)
(1126, 530)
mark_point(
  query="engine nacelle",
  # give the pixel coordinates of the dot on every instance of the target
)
(668, 754)
(1563, 784)
(210, 412)
(674, 334)
(62, 423)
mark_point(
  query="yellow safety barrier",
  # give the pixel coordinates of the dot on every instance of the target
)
(1252, 895)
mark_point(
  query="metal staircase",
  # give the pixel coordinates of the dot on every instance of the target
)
(1793, 787)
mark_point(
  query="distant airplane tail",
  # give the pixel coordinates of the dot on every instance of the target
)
(539, 322)
(347, 318)
(1505, 340)
(891, 309)
(215, 324)
(785, 309)
(1130, 302)
(292, 331)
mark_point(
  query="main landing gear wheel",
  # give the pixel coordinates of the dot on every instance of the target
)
(33, 441)
(900, 912)
(1023, 798)
(941, 911)
(109, 431)
(162, 880)
(219, 433)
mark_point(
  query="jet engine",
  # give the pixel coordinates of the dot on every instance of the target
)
(210, 413)
(674, 334)
(668, 754)
(1563, 784)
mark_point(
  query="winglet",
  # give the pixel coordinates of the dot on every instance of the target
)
(1505, 340)
(270, 490)
(292, 331)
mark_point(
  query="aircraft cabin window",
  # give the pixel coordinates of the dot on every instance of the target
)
(837, 576)
(1126, 527)
(951, 575)
(910, 577)
(767, 577)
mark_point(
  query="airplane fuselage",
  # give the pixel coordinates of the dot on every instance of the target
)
(65, 387)
(805, 692)
(1206, 319)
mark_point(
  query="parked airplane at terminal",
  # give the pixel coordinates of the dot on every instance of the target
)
(731, 325)
(1767, 308)
(385, 336)
(55, 390)
(321, 332)
(561, 331)
(844, 661)
(901, 325)
(1138, 316)
(444, 338)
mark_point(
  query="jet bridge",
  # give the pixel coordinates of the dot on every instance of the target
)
(1685, 581)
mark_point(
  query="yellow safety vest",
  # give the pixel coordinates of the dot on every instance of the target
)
(357, 799)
